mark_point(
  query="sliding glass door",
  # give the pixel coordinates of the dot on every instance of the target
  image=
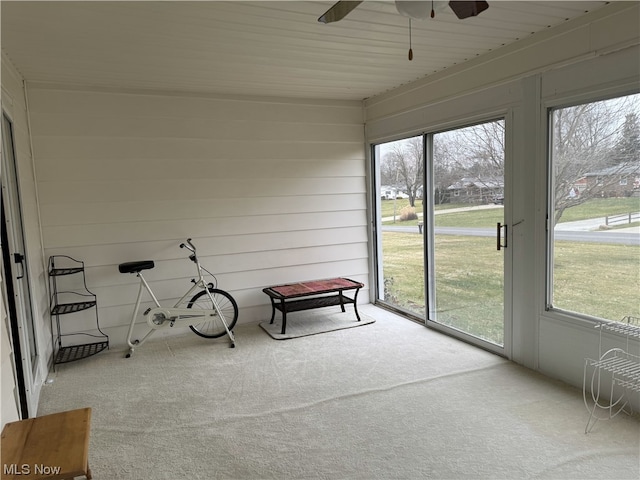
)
(467, 232)
(399, 174)
(441, 232)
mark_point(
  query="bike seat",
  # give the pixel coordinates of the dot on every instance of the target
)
(135, 267)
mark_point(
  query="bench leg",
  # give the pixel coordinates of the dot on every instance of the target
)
(355, 304)
(273, 310)
(284, 318)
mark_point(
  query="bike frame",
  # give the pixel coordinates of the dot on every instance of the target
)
(162, 317)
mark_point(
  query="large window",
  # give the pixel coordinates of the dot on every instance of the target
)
(594, 205)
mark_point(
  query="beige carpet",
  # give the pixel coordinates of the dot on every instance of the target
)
(314, 322)
(393, 400)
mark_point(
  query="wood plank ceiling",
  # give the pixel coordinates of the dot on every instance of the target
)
(256, 48)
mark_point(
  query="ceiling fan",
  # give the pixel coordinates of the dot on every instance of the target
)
(411, 9)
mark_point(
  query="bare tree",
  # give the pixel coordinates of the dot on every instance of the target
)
(483, 145)
(584, 141)
(446, 168)
(593, 146)
(403, 165)
(470, 159)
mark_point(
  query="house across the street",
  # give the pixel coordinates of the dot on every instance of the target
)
(476, 190)
(616, 181)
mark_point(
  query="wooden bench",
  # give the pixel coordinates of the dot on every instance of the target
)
(295, 297)
(51, 447)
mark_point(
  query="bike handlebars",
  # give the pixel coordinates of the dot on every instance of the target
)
(190, 246)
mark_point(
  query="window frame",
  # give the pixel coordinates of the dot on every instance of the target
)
(547, 109)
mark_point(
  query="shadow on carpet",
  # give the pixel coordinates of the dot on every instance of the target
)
(314, 324)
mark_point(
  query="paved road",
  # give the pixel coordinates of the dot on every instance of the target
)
(579, 231)
(613, 236)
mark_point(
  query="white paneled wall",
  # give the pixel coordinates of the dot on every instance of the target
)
(270, 190)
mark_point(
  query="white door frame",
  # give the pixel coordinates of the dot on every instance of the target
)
(24, 321)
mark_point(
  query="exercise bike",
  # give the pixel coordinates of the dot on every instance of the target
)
(210, 313)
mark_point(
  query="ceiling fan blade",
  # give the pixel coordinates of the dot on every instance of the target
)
(338, 11)
(468, 9)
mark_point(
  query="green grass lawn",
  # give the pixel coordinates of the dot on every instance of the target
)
(601, 280)
(600, 207)
(472, 219)
(469, 290)
(387, 206)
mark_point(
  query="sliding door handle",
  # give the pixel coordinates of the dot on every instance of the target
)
(498, 236)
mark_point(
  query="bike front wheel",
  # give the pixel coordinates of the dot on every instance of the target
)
(213, 327)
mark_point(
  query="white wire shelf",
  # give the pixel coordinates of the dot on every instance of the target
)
(615, 367)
